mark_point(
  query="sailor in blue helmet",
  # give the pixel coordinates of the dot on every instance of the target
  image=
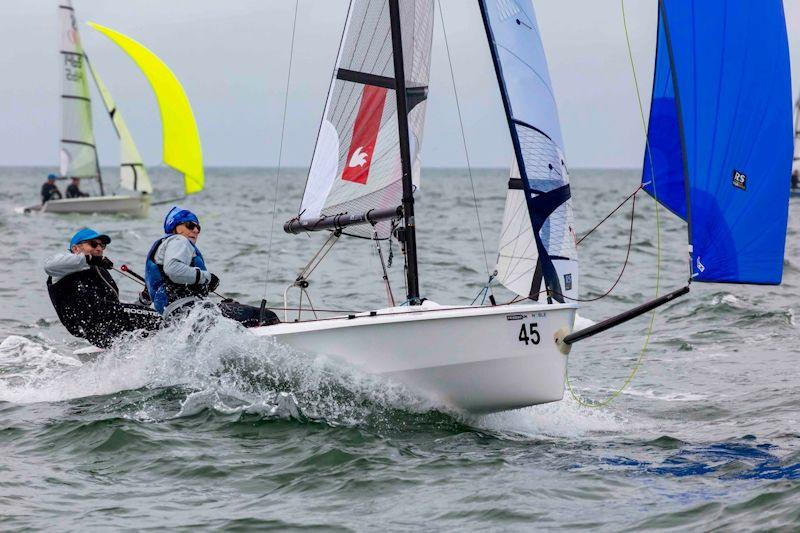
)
(177, 276)
(50, 190)
(84, 294)
(175, 271)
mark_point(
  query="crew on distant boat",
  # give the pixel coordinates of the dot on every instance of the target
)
(74, 190)
(85, 296)
(50, 190)
(796, 178)
(177, 277)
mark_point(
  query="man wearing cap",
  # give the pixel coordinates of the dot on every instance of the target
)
(49, 189)
(85, 296)
(177, 276)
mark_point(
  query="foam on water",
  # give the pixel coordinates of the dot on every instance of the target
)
(564, 419)
(225, 369)
(219, 362)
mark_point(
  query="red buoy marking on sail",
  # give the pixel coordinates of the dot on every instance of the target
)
(365, 134)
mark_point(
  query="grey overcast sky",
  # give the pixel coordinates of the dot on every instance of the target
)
(232, 58)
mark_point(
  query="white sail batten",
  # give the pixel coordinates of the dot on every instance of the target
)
(78, 153)
(537, 240)
(356, 164)
(132, 174)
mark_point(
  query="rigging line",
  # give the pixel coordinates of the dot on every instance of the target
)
(638, 364)
(624, 264)
(621, 272)
(632, 195)
(280, 150)
(464, 140)
(613, 286)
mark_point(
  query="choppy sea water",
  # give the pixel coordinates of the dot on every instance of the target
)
(218, 429)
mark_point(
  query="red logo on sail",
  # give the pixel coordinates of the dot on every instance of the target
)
(365, 134)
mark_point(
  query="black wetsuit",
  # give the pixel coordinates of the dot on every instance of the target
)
(50, 192)
(87, 303)
(74, 192)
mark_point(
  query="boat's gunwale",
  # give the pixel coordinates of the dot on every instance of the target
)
(402, 314)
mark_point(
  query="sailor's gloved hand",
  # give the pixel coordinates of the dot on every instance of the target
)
(214, 283)
(144, 298)
(103, 262)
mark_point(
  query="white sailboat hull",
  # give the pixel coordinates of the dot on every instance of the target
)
(135, 206)
(474, 359)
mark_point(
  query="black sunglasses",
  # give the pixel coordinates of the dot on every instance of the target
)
(94, 244)
(191, 226)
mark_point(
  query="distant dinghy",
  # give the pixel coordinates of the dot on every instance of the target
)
(79, 158)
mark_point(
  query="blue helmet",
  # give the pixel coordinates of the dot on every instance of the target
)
(177, 216)
(87, 234)
(51, 177)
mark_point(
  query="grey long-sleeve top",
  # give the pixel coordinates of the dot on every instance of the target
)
(64, 264)
(175, 254)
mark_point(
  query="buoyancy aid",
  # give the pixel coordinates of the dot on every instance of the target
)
(163, 291)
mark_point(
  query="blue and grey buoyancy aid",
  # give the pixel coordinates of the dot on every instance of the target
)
(163, 291)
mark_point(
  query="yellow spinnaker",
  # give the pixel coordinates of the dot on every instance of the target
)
(181, 140)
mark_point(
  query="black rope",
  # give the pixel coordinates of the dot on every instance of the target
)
(633, 194)
(624, 264)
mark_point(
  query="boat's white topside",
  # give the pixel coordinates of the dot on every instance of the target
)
(477, 359)
(134, 205)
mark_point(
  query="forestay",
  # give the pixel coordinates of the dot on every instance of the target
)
(356, 165)
(78, 152)
(537, 250)
(720, 134)
(132, 174)
(181, 140)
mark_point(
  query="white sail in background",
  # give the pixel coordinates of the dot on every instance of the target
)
(356, 165)
(796, 161)
(132, 174)
(78, 152)
(523, 263)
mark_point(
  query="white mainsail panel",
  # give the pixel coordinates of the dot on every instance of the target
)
(523, 263)
(132, 174)
(78, 153)
(356, 165)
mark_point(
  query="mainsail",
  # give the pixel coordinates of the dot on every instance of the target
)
(719, 137)
(357, 165)
(78, 152)
(132, 174)
(181, 140)
(537, 251)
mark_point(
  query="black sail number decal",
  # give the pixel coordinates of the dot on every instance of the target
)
(529, 334)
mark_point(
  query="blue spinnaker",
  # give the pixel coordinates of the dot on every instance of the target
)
(730, 102)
